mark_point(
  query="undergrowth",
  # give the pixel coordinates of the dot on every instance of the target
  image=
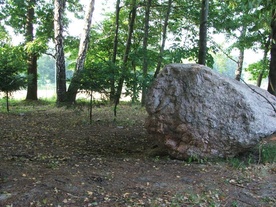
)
(264, 153)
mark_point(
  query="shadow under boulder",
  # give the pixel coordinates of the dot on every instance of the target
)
(196, 112)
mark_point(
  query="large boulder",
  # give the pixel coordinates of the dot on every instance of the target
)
(196, 112)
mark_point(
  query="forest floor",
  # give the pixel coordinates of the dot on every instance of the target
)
(54, 157)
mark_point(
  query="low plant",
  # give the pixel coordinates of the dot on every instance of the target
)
(267, 153)
(236, 162)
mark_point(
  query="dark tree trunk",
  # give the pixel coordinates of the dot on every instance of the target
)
(203, 32)
(7, 102)
(114, 55)
(135, 92)
(60, 60)
(32, 57)
(145, 50)
(32, 80)
(164, 38)
(84, 42)
(126, 55)
(272, 67)
(260, 77)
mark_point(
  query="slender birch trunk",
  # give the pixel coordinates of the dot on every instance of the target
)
(126, 55)
(164, 38)
(238, 71)
(84, 42)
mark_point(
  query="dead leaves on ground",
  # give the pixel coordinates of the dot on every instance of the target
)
(55, 157)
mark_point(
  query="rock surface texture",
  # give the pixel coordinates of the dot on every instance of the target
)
(195, 112)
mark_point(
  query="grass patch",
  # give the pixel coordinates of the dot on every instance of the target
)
(267, 153)
(262, 154)
(102, 111)
(237, 162)
(21, 106)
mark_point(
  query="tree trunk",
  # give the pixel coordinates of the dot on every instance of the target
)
(7, 102)
(164, 38)
(84, 42)
(203, 32)
(32, 57)
(145, 50)
(260, 77)
(272, 67)
(60, 60)
(126, 55)
(32, 80)
(115, 48)
(238, 71)
(135, 91)
(240, 64)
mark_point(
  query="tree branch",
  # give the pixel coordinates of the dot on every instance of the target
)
(50, 54)
(225, 53)
(259, 94)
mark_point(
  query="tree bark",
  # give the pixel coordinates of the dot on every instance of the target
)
(238, 71)
(126, 55)
(84, 42)
(164, 38)
(145, 50)
(272, 67)
(114, 55)
(203, 32)
(32, 57)
(60, 60)
(135, 91)
(240, 64)
(260, 77)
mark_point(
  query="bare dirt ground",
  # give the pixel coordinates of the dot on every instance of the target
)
(54, 157)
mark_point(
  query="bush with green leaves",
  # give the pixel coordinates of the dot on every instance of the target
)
(12, 65)
(255, 69)
(95, 78)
